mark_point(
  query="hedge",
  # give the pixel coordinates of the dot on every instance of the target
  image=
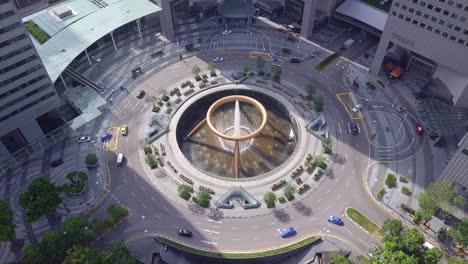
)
(278, 184)
(270, 199)
(405, 190)
(36, 32)
(381, 193)
(391, 181)
(76, 185)
(91, 160)
(408, 209)
(185, 191)
(327, 61)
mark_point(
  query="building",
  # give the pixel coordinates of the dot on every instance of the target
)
(433, 36)
(456, 169)
(27, 96)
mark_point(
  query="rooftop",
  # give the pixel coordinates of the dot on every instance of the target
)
(383, 5)
(364, 13)
(75, 25)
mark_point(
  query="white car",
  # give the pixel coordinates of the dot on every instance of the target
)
(227, 32)
(398, 108)
(218, 59)
(357, 108)
(84, 139)
(96, 59)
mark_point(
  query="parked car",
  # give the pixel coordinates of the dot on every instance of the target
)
(398, 108)
(124, 130)
(185, 232)
(419, 129)
(140, 94)
(335, 220)
(357, 108)
(287, 231)
(84, 139)
(56, 163)
(218, 59)
(227, 32)
(295, 60)
(354, 129)
(106, 136)
(273, 57)
(315, 53)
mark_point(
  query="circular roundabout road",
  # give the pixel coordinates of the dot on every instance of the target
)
(153, 212)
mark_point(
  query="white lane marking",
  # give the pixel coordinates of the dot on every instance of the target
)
(152, 198)
(339, 196)
(144, 205)
(272, 223)
(143, 108)
(326, 209)
(235, 239)
(210, 231)
(125, 181)
(235, 228)
(364, 242)
(143, 188)
(329, 190)
(339, 126)
(209, 242)
(180, 216)
(198, 223)
(254, 227)
(157, 216)
(255, 238)
(347, 229)
(174, 226)
(210, 220)
(126, 104)
(317, 202)
(215, 226)
(354, 171)
(165, 208)
(135, 106)
(133, 194)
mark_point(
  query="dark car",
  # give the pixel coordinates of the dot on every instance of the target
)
(140, 94)
(185, 232)
(106, 136)
(56, 163)
(354, 129)
(295, 60)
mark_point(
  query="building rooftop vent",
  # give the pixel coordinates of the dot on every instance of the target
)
(62, 11)
(99, 3)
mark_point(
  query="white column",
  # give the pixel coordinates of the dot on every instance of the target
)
(113, 41)
(63, 81)
(87, 56)
(138, 22)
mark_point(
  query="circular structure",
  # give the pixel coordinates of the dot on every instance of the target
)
(237, 98)
(266, 133)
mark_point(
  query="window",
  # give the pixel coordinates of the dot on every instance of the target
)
(422, 25)
(437, 31)
(434, 19)
(407, 19)
(415, 1)
(454, 16)
(450, 3)
(394, 13)
(400, 16)
(445, 34)
(458, 29)
(441, 22)
(446, 12)
(453, 38)
(465, 32)
(404, 7)
(411, 10)
(26, 106)
(422, 3)
(418, 13)
(449, 25)
(438, 9)
(461, 41)
(462, 19)
(429, 28)
(430, 7)
(415, 22)
(6, 14)
(426, 16)
(397, 4)
(459, 6)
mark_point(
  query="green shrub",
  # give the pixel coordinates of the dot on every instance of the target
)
(278, 184)
(116, 213)
(320, 162)
(405, 190)
(391, 181)
(165, 98)
(156, 109)
(417, 217)
(185, 191)
(36, 32)
(380, 193)
(318, 103)
(151, 161)
(147, 149)
(276, 78)
(408, 209)
(78, 181)
(197, 78)
(270, 199)
(289, 191)
(7, 228)
(168, 104)
(203, 199)
(168, 110)
(403, 179)
(91, 160)
(245, 71)
(371, 86)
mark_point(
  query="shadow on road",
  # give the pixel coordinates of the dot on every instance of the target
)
(282, 216)
(302, 208)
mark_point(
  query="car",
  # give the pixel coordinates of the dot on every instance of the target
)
(56, 163)
(185, 232)
(295, 60)
(315, 53)
(398, 108)
(419, 129)
(124, 130)
(140, 94)
(96, 59)
(357, 108)
(273, 57)
(84, 139)
(218, 59)
(106, 136)
(335, 220)
(287, 231)
(227, 32)
(354, 129)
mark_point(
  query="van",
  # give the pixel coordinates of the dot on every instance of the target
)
(120, 159)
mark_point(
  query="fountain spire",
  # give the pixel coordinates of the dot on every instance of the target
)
(237, 119)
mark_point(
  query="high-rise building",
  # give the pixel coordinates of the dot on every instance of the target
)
(434, 34)
(27, 95)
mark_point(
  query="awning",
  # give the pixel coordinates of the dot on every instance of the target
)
(364, 13)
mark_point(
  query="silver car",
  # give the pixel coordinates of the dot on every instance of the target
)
(357, 108)
(84, 139)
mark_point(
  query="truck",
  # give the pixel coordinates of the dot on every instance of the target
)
(347, 44)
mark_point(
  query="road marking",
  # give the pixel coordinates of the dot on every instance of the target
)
(136, 105)
(125, 181)
(235, 239)
(126, 104)
(255, 238)
(254, 227)
(339, 196)
(339, 126)
(354, 170)
(329, 190)
(165, 208)
(364, 242)
(210, 220)
(209, 242)
(152, 198)
(215, 226)
(157, 216)
(317, 202)
(347, 229)
(144, 205)
(272, 223)
(133, 194)
(326, 209)
(174, 226)
(143, 188)
(143, 109)
(180, 216)
(198, 223)
(210, 231)
(235, 228)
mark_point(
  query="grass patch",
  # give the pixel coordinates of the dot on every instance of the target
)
(327, 61)
(36, 32)
(405, 190)
(363, 221)
(183, 247)
(391, 181)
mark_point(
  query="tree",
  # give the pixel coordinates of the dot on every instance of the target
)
(91, 160)
(270, 199)
(276, 69)
(41, 198)
(456, 260)
(184, 191)
(260, 63)
(203, 198)
(245, 71)
(327, 145)
(7, 228)
(391, 230)
(276, 78)
(120, 254)
(116, 213)
(459, 232)
(310, 89)
(439, 194)
(337, 258)
(432, 256)
(32, 254)
(318, 103)
(320, 161)
(412, 241)
(196, 70)
(54, 245)
(211, 67)
(76, 228)
(79, 254)
(289, 191)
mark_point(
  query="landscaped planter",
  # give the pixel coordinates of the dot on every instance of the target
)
(91, 161)
(78, 183)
